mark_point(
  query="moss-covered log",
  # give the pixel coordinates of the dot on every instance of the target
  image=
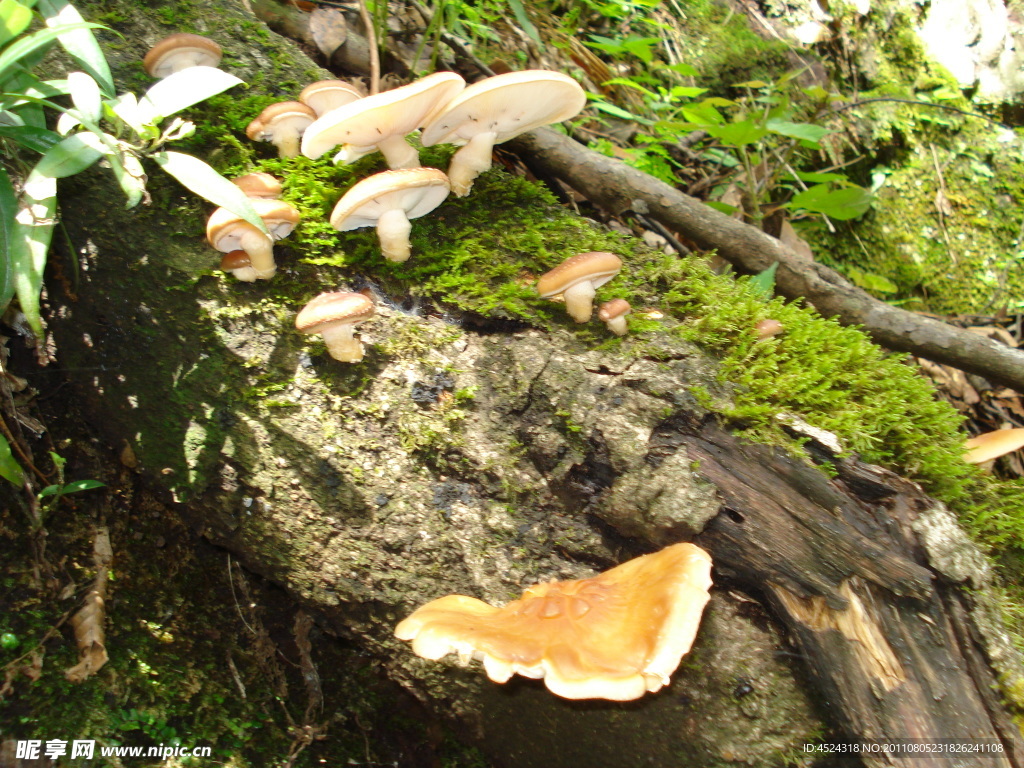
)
(486, 443)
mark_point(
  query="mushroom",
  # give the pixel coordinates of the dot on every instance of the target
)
(181, 51)
(239, 265)
(613, 313)
(325, 95)
(227, 231)
(577, 279)
(259, 185)
(382, 121)
(387, 201)
(992, 445)
(335, 316)
(283, 124)
(767, 328)
(613, 636)
(498, 109)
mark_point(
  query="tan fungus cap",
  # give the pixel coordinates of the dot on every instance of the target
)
(259, 185)
(382, 121)
(180, 51)
(577, 279)
(614, 636)
(325, 95)
(283, 124)
(992, 445)
(334, 316)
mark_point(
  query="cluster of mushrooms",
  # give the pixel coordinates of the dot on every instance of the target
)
(615, 636)
(331, 114)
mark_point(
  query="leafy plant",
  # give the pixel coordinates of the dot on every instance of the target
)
(120, 128)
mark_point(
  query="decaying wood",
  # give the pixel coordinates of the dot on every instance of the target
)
(846, 564)
(618, 187)
(353, 55)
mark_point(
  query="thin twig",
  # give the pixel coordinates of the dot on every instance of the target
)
(371, 37)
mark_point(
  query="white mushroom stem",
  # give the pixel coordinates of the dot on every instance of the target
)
(393, 229)
(245, 274)
(287, 142)
(399, 153)
(341, 344)
(260, 249)
(470, 161)
(579, 301)
(617, 325)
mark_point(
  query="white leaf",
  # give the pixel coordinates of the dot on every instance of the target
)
(183, 89)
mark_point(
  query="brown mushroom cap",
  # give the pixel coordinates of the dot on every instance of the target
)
(334, 316)
(382, 121)
(283, 124)
(239, 265)
(180, 51)
(613, 313)
(227, 231)
(992, 445)
(577, 278)
(325, 95)
(259, 185)
(387, 201)
(498, 109)
(614, 636)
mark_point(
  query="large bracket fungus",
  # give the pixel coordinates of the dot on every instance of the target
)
(615, 636)
(498, 109)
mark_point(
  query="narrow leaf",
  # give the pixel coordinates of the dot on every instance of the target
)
(85, 94)
(14, 19)
(72, 155)
(525, 23)
(8, 213)
(763, 282)
(15, 52)
(804, 131)
(9, 468)
(197, 176)
(83, 485)
(183, 89)
(80, 43)
(848, 203)
(30, 137)
(32, 234)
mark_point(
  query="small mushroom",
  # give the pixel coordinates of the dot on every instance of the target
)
(326, 95)
(239, 265)
(181, 51)
(334, 316)
(227, 231)
(992, 445)
(387, 201)
(767, 328)
(498, 109)
(259, 185)
(283, 124)
(613, 313)
(577, 279)
(613, 636)
(382, 121)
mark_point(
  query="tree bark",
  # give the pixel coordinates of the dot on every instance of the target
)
(466, 455)
(617, 187)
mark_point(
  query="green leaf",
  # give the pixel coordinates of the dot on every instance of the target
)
(683, 69)
(842, 204)
(85, 94)
(869, 281)
(14, 19)
(821, 178)
(610, 109)
(9, 468)
(30, 137)
(804, 131)
(15, 52)
(8, 225)
(763, 283)
(751, 84)
(686, 92)
(77, 486)
(197, 176)
(32, 234)
(80, 43)
(525, 23)
(721, 207)
(183, 89)
(70, 156)
(737, 134)
(129, 174)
